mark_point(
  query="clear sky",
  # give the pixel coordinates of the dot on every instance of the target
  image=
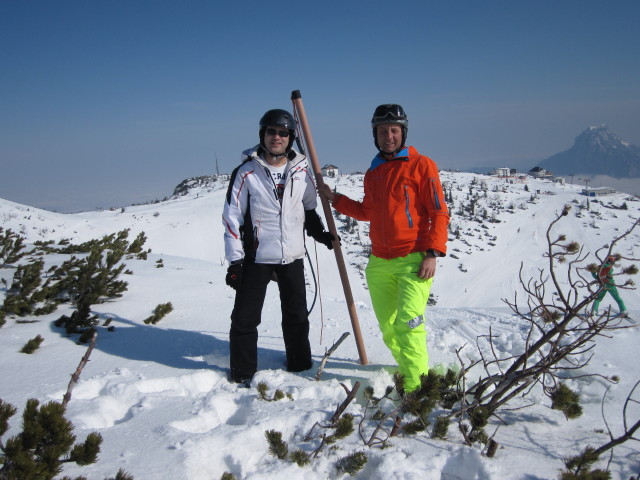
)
(108, 103)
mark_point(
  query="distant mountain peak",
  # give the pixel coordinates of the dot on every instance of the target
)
(596, 151)
(599, 137)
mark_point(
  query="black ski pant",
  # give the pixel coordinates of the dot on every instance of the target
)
(247, 312)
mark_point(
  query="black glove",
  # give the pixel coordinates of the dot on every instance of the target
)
(315, 229)
(234, 275)
(325, 238)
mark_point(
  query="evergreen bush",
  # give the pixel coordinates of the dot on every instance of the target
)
(121, 475)
(90, 280)
(136, 246)
(11, 247)
(567, 401)
(20, 297)
(44, 444)
(161, 311)
(32, 345)
(579, 467)
(277, 446)
(300, 457)
(353, 463)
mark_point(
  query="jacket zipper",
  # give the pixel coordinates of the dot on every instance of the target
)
(406, 201)
(435, 194)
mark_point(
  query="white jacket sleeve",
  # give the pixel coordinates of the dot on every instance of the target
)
(310, 198)
(233, 215)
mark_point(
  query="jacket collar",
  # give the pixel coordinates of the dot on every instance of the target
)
(403, 155)
(293, 157)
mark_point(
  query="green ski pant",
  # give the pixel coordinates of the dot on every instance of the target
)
(399, 298)
(614, 293)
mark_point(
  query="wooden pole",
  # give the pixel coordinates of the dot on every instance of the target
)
(296, 98)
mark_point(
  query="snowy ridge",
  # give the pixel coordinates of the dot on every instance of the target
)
(159, 394)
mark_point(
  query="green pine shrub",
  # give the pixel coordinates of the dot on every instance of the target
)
(44, 444)
(161, 311)
(32, 345)
(228, 476)
(441, 428)
(411, 412)
(353, 463)
(11, 247)
(479, 417)
(135, 247)
(20, 297)
(83, 281)
(91, 280)
(277, 446)
(121, 475)
(343, 428)
(579, 467)
(567, 401)
(263, 390)
(300, 457)
(421, 402)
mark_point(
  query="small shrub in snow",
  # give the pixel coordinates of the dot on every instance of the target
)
(567, 401)
(300, 457)
(579, 467)
(263, 390)
(32, 345)
(353, 463)
(277, 446)
(159, 313)
(44, 444)
(441, 428)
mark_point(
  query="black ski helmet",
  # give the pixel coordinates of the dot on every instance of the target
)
(389, 113)
(278, 118)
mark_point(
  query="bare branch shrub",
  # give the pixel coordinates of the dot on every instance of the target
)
(560, 337)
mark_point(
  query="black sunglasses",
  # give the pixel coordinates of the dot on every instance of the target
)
(281, 133)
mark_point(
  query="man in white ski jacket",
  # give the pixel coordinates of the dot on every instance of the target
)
(270, 201)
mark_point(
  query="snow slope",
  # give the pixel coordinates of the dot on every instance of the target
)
(159, 394)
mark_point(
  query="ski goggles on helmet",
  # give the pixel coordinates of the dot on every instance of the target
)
(389, 113)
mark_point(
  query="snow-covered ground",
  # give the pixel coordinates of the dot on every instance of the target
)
(159, 394)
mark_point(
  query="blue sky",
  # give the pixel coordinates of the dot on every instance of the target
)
(108, 103)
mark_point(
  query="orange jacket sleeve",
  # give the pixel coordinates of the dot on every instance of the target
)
(433, 200)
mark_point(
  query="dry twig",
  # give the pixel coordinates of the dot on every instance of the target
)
(76, 375)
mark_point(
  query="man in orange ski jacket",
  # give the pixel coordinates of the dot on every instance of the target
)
(404, 203)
